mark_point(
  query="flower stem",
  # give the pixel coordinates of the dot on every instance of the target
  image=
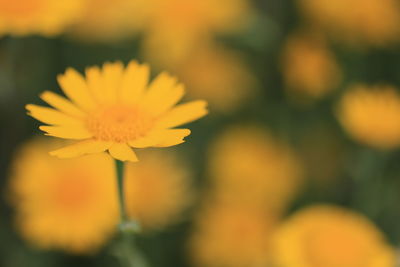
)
(119, 165)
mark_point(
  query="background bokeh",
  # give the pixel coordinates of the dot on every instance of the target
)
(304, 110)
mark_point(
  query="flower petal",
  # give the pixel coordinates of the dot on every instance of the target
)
(51, 116)
(182, 114)
(161, 138)
(61, 103)
(167, 101)
(122, 152)
(78, 149)
(134, 82)
(95, 83)
(158, 89)
(173, 137)
(67, 132)
(76, 89)
(112, 78)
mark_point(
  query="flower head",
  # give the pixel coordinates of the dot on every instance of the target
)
(157, 190)
(104, 20)
(371, 115)
(115, 109)
(174, 29)
(374, 22)
(329, 236)
(231, 236)
(46, 17)
(219, 76)
(238, 170)
(309, 67)
(63, 204)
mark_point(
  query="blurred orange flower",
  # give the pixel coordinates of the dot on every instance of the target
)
(309, 67)
(45, 17)
(231, 236)
(176, 28)
(371, 115)
(373, 22)
(157, 189)
(248, 165)
(115, 109)
(219, 76)
(63, 204)
(329, 236)
(107, 21)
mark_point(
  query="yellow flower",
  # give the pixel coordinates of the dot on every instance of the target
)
(63, 204)
(174, 29)
(371, 115)
(105, 20)
(231, 237)
(157, 190)
(219, 76)
(46, 17)
(247, 165)
(115, 109)
(373, 22)
(309, 67)
(329, 236)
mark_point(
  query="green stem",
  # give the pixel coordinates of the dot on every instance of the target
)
(119, 165)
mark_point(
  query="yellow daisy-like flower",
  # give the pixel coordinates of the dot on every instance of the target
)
(309, 68)
(371, 115)
(329, 236)
(115, 109)
(238, 168)
(219, 76)
(157, 190)
(374, 22)
(231, 236)
(46, 17)
(63, 204)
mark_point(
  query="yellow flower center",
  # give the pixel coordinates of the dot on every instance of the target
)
(119, 123)
(19, 7)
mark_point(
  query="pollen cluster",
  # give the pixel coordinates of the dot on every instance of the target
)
(119, 124)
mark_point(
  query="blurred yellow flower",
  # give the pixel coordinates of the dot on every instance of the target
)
(309, 67)
(105, 20)
(371, 115)
(63, 204)
(219, 76)
(329, 236)
(45, 17)
(373, 22)
(115, 109)
(157, 189)
(174, 29)
(247, 165)
(231, 237)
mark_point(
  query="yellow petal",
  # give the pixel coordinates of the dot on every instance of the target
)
(167, 101)
(95, 84)
(173, 137)
(67, 132)
(75, 87)
(182, 114)
(158, 89)
(112, 78)
(51, 116)
(134, 82)
(78, 149)
(61, 104)
(161, 138)
(122, 152)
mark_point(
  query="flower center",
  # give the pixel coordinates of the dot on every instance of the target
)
(119, 123)
(19, 8)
